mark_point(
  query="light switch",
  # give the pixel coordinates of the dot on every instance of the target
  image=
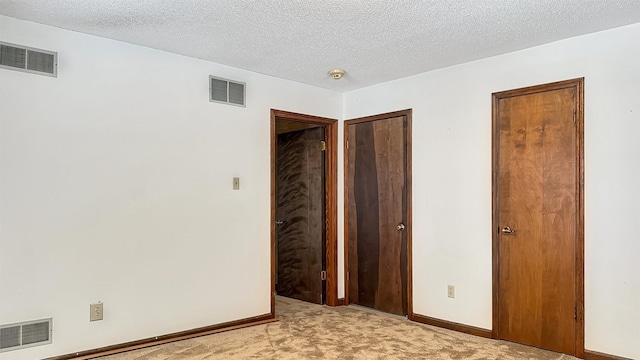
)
(95, 311)
(236, 183)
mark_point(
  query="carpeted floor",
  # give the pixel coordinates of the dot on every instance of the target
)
(308, 331)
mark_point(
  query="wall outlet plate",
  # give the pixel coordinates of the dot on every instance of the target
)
(451, 291)
(236, 183)
(95, 311)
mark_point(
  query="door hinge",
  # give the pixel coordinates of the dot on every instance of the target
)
(348, 277)
(575, 313)
(575, 115)
(323, 145)
(347, 144)
(323, 275)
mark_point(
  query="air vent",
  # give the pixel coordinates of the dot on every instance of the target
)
(22, 58)
(26, 334)
(226, 91)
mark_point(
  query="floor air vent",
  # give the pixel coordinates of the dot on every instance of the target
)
(226, 91)
(26, 334)
(22, 58)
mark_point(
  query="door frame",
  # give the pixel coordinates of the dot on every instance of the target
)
(407, 113)
(331, 199)
(579, 236)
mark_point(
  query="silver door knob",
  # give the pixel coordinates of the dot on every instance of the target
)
(507, 230)
(400, 227)
(279, 222)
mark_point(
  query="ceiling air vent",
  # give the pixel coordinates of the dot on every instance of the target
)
(22, 58)
(227, 91)
(25, 334)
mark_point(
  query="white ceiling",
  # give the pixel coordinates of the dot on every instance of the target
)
(373, 40)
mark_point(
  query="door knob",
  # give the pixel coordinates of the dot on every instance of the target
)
(507, 230)
(279, 222)
(400, 227)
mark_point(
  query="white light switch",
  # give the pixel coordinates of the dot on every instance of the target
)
(95, 311)
(236, 183)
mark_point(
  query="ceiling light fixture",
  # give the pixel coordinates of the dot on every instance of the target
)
(336, 73)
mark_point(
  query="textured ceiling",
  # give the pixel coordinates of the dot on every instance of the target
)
(373, 40)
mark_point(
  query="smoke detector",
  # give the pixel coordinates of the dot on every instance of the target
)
(336, 73)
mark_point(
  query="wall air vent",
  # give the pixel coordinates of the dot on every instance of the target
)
(25, 334)
(22, 58)
(227, 91)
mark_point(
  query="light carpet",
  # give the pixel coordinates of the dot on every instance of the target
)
(308, 331)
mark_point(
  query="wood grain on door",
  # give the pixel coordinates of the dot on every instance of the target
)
(300, 214)
(538, 186)
(377, 212)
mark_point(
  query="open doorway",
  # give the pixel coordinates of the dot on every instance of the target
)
(303, 208)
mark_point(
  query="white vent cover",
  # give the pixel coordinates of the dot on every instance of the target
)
(23, 58)
(227, 91)
(25, 334)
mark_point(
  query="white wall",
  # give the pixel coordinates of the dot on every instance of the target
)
(116, 186)
(452, 177)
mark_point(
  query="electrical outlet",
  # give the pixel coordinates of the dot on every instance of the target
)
(95, 311)
(236, 183)
(451, 291)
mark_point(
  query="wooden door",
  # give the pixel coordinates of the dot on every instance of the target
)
(538, 215)
(377, 212)
(300, 214)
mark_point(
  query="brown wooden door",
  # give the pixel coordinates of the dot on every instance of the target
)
(377, 205)
(537, 219)
(300, 214)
